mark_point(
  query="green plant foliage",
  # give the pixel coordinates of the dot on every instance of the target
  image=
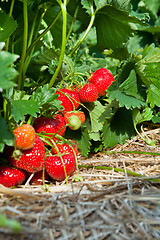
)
(7, 73)
(21, 108)
(7, 26)
(46, 98)
(119, 129)
(114, 27)
(96, 111)
(5, 135)
(127, 94)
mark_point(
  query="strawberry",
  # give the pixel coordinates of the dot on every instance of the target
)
(73, 123)
(55, 169)
(102, 79)
(37, 177)
(65, 148)
(24, 137)
(31, 160)
(88, 93)
(70, 102)
(50, 125)
(10, 177)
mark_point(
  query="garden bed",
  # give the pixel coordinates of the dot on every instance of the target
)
(107, 204)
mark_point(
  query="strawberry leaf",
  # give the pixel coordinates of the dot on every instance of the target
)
(148, 67)
(46, 98)
(84, 142)
(127, 94)
(21, 108)
(5, 136)
(112, 134)
(114, 26)
(7, 72)
(139, 117)
(7, 26)
(96, 110)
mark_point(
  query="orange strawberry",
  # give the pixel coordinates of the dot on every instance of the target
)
(24, 137)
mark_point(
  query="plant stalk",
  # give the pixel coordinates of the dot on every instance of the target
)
(25, 36)
(64, 29)
(10, 14)
(86, 32)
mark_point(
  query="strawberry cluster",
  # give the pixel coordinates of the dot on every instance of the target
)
(41, 149)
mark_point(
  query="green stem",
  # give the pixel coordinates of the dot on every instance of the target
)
(43, 33)
(64, 29)
(121, 170)
(10, 14)
(25, 36)
(72, 24)
(133, 152)
(86, 32)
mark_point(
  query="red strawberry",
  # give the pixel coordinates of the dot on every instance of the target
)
(102, 79)
(65, 148)
(32, 160)
(10, 177)
(50, 125)
(72, 122)
(25, 136)
(69, 102)
(55, 169)
(37, 178)
(88, 93)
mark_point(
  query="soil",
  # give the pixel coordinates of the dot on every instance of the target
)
(107, 204)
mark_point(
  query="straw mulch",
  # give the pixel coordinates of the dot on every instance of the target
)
(105, 205)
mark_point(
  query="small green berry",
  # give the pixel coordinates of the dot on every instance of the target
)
(74, 122)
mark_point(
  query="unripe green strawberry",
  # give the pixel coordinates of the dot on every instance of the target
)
(31, 160)
(102, 79)
(10, 176)
(24, 137)
(50, 125)
(69, 98)
(54, 166)
(88, 93)
(74, 123)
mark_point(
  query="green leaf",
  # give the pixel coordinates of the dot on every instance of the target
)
(127, 93)
(118, 4)
(5, 136)
(119, 129)
(84, 142)
(114, 27)
(46, 98)
(21, 108)
(7, 72)
(86, 5)
(96, 110)
(139, 117)
(148, 67)
(7, 26)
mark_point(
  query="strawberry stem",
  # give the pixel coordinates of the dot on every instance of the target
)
(121, 170)
(64, 30)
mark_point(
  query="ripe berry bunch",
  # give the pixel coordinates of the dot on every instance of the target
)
(41, 150)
